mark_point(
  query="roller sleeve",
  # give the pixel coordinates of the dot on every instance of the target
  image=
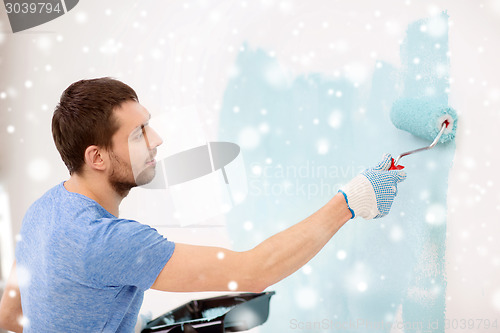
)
(424, 118)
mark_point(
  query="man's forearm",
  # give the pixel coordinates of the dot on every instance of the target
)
(286, 252)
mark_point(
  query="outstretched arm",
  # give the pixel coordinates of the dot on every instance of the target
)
(10, 305)
(204, 268)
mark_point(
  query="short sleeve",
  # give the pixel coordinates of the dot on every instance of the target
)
(123, 252)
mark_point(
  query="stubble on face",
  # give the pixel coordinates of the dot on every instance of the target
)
(122, 178)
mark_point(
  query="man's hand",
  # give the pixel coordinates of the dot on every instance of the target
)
(371, 193)
(10, 306)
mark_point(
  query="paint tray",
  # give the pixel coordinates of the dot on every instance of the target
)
(229, 313)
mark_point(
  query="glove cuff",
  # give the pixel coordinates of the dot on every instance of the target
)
(360, 197)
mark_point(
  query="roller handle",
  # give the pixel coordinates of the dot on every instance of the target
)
(395, 167)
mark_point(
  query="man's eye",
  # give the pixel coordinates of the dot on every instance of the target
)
(140, 134)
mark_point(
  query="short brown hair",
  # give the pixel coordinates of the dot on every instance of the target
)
(83, 117)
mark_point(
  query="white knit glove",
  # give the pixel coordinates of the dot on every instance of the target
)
(371, 193)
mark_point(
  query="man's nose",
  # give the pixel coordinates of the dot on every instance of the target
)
(154, 139)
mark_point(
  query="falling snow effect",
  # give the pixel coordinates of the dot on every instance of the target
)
(320, 132)
(306, 297)
(249, 138)
(496, 299)
(38, 169)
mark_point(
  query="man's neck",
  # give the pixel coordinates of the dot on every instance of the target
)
(98, 190)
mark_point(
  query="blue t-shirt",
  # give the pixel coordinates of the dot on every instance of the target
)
(81, 269)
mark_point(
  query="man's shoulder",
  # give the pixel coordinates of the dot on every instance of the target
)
(59, 202)
(47, 198)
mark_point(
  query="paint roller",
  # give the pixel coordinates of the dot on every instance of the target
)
(425, 118)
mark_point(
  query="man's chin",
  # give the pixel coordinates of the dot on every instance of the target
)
(145, 177)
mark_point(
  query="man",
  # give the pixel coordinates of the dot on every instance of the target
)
(84, 269)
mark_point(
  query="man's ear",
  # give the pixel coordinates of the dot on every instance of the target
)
(94, 159)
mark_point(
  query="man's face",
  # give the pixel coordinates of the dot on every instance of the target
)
(134, 148)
